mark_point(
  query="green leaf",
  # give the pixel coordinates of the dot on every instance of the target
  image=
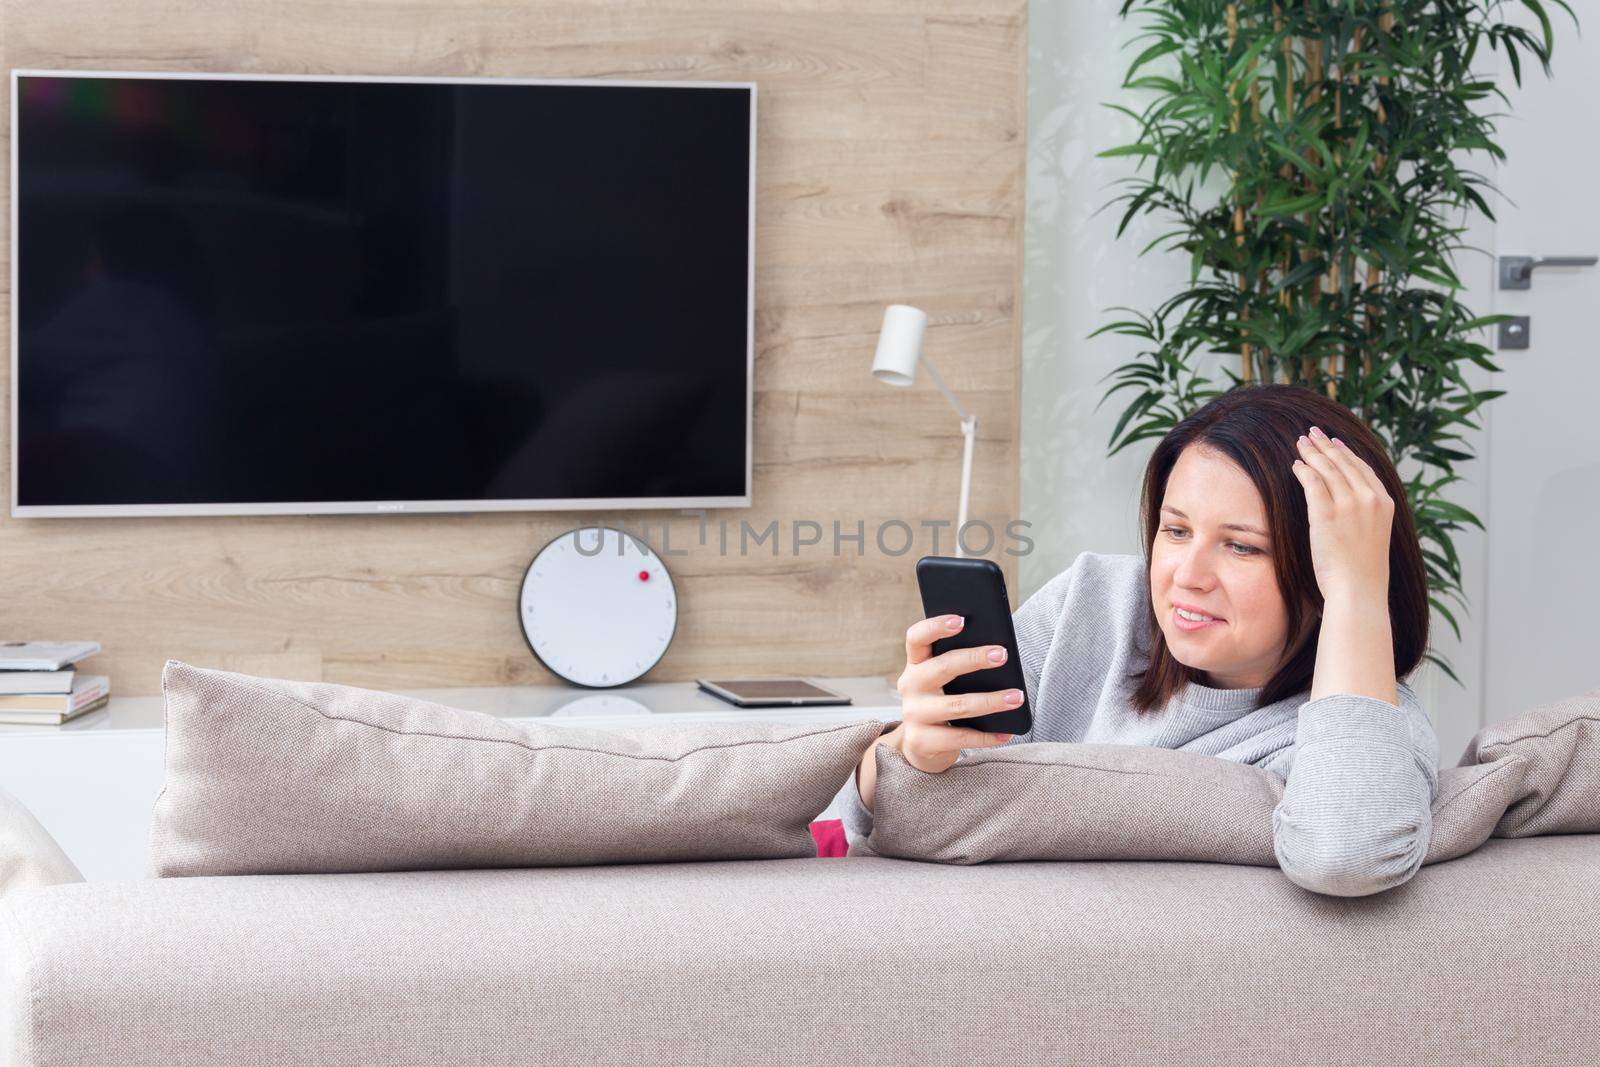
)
(1438, 605)
(1156, 82)
(1138, 148)
(1358, 143)
(1291, 207)
(1482, 321)
(1138, 407)
(1436, 277)
(1251, 54)
(1443, 665)
(1291, 156)
(1155, 51)
(1299, 274)
(1544, 21)
(1110, 392)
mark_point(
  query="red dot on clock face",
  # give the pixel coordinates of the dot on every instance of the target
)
(644, 576)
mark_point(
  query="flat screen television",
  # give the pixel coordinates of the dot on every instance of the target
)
(252, 294)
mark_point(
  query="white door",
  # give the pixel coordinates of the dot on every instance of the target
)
(1541, 606)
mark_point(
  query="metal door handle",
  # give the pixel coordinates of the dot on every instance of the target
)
(1516, 272)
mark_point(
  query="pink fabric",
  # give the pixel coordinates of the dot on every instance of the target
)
(829, 835)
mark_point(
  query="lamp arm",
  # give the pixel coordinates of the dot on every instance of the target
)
(945, 389)
(969, 430)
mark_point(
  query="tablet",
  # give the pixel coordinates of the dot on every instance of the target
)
(770, 692)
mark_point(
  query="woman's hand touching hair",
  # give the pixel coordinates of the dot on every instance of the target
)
(1350, 515)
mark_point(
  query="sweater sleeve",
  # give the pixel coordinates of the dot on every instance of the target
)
(1356, 813)
(853, 814)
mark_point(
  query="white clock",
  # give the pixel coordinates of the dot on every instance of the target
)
(598, 607)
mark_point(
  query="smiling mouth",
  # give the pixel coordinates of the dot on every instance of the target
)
(1191, 624)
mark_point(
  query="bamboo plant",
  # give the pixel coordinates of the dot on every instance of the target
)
(1313, 161)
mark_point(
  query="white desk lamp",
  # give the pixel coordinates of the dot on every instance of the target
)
(895, 362)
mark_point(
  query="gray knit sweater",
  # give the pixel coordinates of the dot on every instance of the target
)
(1361, 773)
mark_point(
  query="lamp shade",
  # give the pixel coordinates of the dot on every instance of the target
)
(899, 344)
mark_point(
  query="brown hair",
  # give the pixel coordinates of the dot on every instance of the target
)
(1256, 426)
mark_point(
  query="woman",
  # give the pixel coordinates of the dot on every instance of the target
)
(1283, 598)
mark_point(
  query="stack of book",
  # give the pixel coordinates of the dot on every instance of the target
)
(40, 681)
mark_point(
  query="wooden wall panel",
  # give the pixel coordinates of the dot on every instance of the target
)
(889, 170)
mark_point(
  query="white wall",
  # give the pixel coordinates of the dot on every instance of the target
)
(1074, 496)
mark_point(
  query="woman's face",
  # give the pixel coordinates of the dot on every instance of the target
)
(1212, 554)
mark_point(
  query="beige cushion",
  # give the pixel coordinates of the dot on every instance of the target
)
(29, 856)
(1074, 800)
(1560, 743)
(1469, 803)
(266, 776)
(1538, 773)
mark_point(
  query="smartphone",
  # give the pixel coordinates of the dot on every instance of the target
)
(976, 590)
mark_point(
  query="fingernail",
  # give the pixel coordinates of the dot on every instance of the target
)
(1316, 431)
(997, 655)
(1338, 442)
(954, 622)
(1013, 697)
(1304, 439)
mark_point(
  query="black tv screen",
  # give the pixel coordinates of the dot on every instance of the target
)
(241, 295)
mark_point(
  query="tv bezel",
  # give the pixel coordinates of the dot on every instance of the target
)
(388, 507)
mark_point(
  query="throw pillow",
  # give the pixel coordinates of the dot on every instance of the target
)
(1075, 800)
(1560, 743)
(1538, 773)
(1469, 803)
(266, 776)
(29, 856)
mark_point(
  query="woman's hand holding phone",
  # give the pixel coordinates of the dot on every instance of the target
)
(926, 739)
(924, 736)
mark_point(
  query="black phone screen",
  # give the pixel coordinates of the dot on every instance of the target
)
(975, 589)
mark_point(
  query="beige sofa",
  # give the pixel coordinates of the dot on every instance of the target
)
(1489, 959)
(491, 906)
